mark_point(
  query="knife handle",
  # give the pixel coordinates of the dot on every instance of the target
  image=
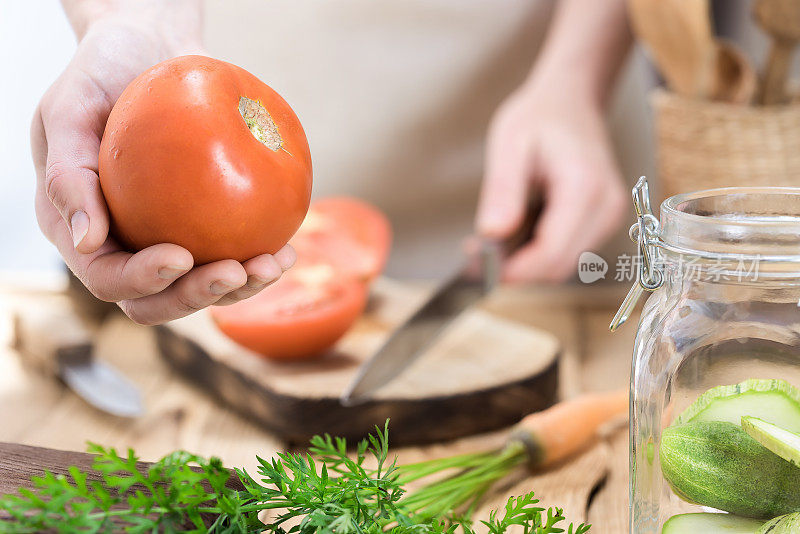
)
(525, 230)
(49, 334)
(495, 251)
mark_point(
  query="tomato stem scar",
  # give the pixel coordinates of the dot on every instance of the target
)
(260, 124)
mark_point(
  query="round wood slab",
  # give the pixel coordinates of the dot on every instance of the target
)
(483, 373)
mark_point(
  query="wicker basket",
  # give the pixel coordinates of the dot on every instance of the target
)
(702, 145)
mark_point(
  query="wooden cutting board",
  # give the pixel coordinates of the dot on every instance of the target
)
(18, 463)
(484, 373)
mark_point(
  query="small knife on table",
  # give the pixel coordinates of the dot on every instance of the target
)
(410, 341)
(50, 334)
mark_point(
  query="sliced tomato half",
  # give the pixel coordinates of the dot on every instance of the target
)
(346, 233)
(300, 316)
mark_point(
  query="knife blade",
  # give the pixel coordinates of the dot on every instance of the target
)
(473, 282)
(411, 340)
(50, 335)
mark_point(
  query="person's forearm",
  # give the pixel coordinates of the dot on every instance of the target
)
(178, 22)
(585, 46)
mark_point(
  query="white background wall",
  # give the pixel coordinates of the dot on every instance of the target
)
(36, 43)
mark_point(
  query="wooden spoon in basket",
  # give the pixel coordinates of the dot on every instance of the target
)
(679, 35)
(781, 20)
(734, 78)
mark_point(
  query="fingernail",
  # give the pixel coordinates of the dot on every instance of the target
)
(221, 287)
(79, 226)
(254, 281)
(286, 258)
(171, 272)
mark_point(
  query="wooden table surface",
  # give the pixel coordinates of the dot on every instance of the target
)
(592, 487)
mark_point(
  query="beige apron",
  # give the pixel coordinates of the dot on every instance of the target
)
(396, 96)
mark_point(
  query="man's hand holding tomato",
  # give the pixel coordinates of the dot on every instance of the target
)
(118, 41)
(549, 138)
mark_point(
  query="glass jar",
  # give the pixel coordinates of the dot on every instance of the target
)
(723, 320)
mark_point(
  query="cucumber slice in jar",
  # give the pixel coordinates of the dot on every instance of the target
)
(778, 440)
(710, 524)
(785, 524)
(774, 401)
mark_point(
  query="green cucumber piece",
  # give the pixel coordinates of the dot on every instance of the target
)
(710, 524)
(715, 463)
(774, 401)
(785, 524)
(782, 442)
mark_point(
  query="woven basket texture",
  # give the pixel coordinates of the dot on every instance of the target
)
(703, 145)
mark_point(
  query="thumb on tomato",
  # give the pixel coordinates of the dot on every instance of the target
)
(70, 178)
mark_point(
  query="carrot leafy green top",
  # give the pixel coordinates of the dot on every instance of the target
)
(325, 491)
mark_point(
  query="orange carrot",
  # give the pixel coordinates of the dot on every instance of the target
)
(567, 427)
(541, 439)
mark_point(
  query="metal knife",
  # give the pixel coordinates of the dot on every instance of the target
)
(474, 281)
(51, 335)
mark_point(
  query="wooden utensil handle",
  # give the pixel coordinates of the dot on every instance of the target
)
(776, 73)
(47, 333)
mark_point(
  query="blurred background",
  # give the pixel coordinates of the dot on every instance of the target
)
(368, 86)
(37, 43)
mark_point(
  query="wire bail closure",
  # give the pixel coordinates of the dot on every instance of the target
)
(645, 232)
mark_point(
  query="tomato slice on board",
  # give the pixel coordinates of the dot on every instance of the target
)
(300, 316)
(346, 233)
(342, 245)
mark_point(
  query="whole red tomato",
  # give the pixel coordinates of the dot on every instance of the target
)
(201, 153)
